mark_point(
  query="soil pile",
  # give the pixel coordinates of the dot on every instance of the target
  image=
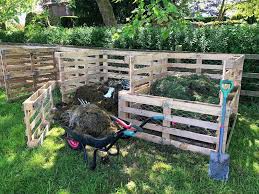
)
(194, 88)
(88, 119)
(95, 94)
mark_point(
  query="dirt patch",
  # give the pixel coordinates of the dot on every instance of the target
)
(88, 119)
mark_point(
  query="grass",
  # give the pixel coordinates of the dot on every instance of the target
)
(142, 167)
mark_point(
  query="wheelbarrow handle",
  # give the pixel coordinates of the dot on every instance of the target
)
(224, 90)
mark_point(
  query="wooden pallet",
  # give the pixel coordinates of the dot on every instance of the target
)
(37, 117)
(26, 70)
(181, 126)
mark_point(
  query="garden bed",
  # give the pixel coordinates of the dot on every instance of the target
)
(189, 125)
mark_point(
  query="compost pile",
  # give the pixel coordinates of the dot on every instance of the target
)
(91, 117)
(95, 94)
(194, 88)
(87, 119)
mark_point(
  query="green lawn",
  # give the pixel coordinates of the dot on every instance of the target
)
(142, 167)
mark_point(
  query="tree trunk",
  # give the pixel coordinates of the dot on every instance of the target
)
(107, 13)
(221, 11)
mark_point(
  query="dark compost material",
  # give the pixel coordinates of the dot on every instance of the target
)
(88, 119)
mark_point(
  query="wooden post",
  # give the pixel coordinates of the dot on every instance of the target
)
(98, 71)
(33, 71)
(27, 115)
(61, 76)
(167, 114)
(105, 67)
(151, 73)
(121, 105)
(178, 48)
(199, 63)
(131, 73)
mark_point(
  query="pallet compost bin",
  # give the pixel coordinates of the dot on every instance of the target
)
(89, 66)
(188, 125)
(37, 111)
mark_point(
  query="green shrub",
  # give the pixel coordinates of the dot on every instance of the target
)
(12, 36)
(240, 38)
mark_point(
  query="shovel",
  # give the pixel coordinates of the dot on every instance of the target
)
(219, 161)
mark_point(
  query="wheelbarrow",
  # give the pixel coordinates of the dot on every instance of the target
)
(126, 131)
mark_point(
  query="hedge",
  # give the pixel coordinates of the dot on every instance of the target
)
(225, 39)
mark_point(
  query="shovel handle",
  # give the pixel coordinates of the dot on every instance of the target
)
(224, 90)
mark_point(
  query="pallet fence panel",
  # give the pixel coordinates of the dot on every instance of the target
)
(26, 70)
(37, 110)
(78, 69)
(117, 65)
(187, 125)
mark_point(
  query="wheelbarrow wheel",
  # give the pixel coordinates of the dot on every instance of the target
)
(73, 144)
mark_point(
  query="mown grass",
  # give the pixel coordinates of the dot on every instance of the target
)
(142, 167)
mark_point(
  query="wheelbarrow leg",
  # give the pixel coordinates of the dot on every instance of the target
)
(93, 165)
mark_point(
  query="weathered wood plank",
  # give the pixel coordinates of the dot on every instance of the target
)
(250, 93)
(177, 144)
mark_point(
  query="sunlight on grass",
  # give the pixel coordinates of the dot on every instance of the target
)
(45, 156)
(11, 157)
(129, 170)
(37, 159)
(63, 191)
(146, 188)
(169, 189)
(256, 167)
(124, 152)
(254, 127)
(131, 186)
(5, 118)
(161, 166)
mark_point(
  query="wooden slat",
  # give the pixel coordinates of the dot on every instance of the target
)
(252, 56)
(119, 61)
(195, 66)
(213, 76)
(85, 62)
(112, 68)
(177, 132)
(75, 54)
(250, 93)
(118, 76)
(251, 75)
(177, 144)
(172, 118)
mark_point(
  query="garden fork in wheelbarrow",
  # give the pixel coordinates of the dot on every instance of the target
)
(126, 131)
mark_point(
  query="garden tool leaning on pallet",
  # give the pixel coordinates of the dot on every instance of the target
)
(219, 161)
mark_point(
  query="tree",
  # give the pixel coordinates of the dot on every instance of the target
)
(247, 8)
(107, 13)
(10, 9)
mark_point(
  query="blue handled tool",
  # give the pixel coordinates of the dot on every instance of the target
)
(219, 161)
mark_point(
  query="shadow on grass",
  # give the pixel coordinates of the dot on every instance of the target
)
(141, 167)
